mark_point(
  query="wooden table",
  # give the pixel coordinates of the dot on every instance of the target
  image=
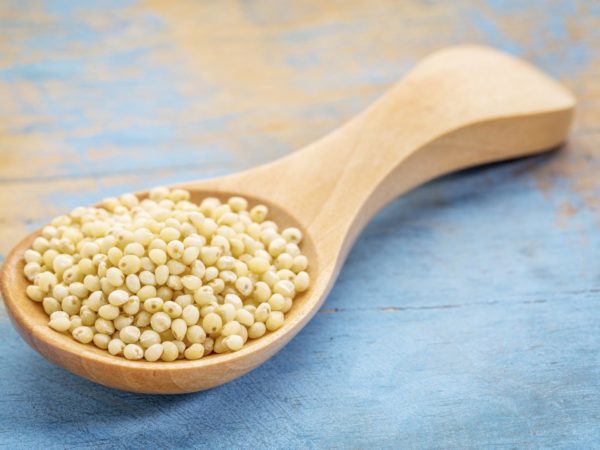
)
(467, 314)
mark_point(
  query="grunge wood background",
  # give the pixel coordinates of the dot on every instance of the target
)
(467, 314)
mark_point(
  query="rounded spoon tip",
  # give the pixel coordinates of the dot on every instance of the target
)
(177, 377)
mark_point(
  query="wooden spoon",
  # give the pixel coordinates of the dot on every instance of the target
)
(460, 107)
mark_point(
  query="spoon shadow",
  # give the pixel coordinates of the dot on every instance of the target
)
(57, 404)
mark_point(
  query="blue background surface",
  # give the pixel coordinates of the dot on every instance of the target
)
(466, 315)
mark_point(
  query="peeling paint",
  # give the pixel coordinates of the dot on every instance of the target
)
(476, 295)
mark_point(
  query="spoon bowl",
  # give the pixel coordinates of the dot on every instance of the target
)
(460, 107)
(180, 376)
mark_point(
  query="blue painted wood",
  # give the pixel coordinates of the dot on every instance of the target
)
(466, 314)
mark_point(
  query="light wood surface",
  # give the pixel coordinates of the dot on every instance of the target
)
(466, 313)
(460, 107)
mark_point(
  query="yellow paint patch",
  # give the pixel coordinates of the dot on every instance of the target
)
(259, 61)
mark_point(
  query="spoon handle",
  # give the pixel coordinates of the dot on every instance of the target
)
(460, 107)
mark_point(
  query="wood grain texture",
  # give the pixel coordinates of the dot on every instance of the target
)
(481, 310)
(460, 107)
